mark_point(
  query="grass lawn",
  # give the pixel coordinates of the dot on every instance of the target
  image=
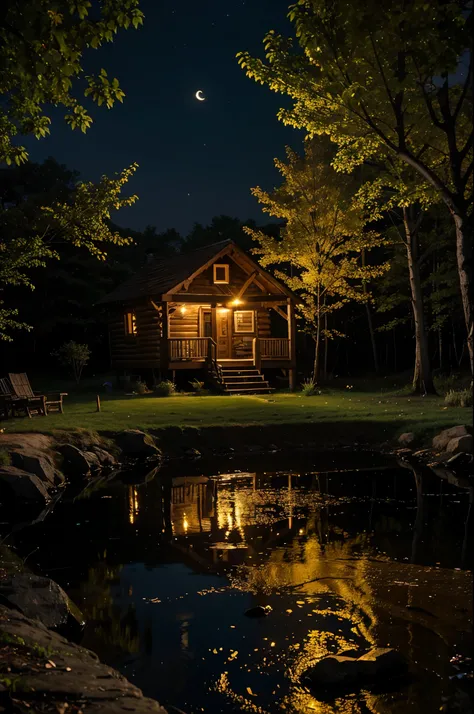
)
(389, 413)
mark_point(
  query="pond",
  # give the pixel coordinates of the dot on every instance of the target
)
(349, 551)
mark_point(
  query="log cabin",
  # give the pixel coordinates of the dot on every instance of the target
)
(213, 309)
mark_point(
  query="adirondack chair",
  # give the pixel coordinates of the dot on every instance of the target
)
(35, 401)
(6, 397)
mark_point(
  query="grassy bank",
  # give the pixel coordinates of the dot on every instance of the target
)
(351, 414)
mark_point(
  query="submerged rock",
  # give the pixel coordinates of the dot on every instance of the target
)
(40, 598)
(134, 442)
(24, 485)
(258, 611)
(192, 453)
(354, 672)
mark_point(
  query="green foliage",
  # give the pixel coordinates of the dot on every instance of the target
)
(324, 239)
(31, 233)
(310, 388)
(74, 356)
(141, 387)
(5, 459)
(42, 46)
(461, 398)
(165, 388)
(197, 387)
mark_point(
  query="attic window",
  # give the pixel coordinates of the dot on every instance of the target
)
(130, 323)
(221, 273)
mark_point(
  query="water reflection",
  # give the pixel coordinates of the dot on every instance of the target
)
(168, 568)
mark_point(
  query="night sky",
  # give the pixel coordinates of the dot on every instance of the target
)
(196, 159)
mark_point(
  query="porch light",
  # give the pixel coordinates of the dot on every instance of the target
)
(236, 301)
(182, 309)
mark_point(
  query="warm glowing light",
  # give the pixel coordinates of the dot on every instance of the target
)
(236, 302)
(224, 309)
(301, 531)
(133, 506)
(185, 523)
(182, 309)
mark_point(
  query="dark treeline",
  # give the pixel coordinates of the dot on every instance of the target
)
(63, 304)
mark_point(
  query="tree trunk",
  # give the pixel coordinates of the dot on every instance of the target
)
(318, 338)
(422, 378)
(369, 321)
(326, 345)
(464, 261)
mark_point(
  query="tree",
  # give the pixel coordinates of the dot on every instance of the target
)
(323, 240)
(384, 79)
(42, 43)
(74, 356)
(31, 233)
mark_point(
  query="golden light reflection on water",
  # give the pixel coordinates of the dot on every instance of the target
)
(133, 506)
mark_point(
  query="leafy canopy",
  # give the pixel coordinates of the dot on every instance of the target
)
(30, 234)
(42, 44)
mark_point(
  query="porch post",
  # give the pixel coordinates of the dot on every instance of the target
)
(164, 356)
(292, 343)
(257, 359)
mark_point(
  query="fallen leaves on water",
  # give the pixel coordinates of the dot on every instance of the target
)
(249, 691)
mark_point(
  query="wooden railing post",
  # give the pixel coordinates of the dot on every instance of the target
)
(257, 358)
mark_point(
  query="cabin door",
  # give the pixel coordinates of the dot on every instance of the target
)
(224, 333)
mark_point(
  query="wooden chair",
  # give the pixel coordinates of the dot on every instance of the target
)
(35, 401)
(6, 397)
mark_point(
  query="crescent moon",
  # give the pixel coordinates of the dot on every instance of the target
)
(198, 95)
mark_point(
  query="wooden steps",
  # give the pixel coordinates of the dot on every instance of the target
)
(250, 380)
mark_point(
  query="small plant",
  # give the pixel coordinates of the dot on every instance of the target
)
(5, 459)
(74, 356)
(310, 388)
(197, 386)
(460, 398)
(142, 388)
(165, 388)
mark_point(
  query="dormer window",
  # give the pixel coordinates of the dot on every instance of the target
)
(130, 323)
(221, 274)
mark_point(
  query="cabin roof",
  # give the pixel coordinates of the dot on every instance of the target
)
(159, 277)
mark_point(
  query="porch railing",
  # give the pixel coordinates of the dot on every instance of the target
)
(274, 348)
(189, 348)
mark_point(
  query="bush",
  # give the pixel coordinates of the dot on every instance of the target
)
(74, 356)
(5, 459)
(309, 388)
(165, 388)
(460, 398)
(142, 388)
(197, 387)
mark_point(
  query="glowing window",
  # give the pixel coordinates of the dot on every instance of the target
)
(244, 321)
(221, 273)
(130, 322)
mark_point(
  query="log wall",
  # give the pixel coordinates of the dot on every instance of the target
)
(138, 351)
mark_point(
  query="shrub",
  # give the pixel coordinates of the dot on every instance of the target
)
(165, 388)
(74, 356)
(197, 386)
(142, 388)
(309, 388)
(460, 398)
(5, 459)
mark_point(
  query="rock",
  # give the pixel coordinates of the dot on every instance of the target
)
(24, 485)
(39, 598)
(193, 453)
(75, 462)
(104, 457)
(136, 443)
(92, 459)
(77, 682)
(460, 461)
(38, 463)
(258, 611)
(406, 439)
(442, 439)
(460, 445)
(354, 672)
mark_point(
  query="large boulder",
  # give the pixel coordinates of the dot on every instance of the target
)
(75, 463)
(23, 485)
(460, 445)
(39, 598)
(354, 672)
(134, 442)
(37, 463)
(442, 439)
(104, 457)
